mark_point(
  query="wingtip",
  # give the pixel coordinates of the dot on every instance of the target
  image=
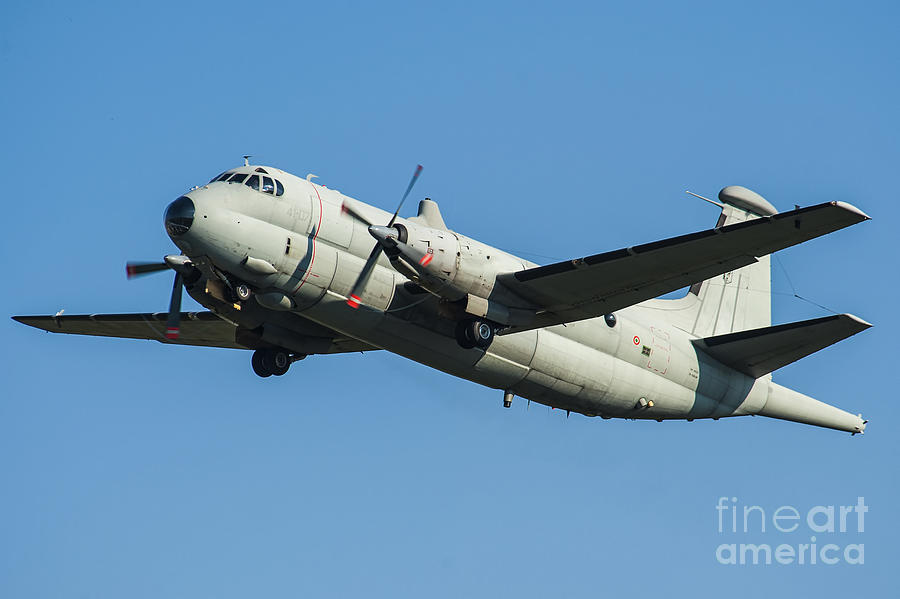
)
(851, 208)
(859, 321)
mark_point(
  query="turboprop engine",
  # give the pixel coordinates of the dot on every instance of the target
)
(429, 260)
(459, 270)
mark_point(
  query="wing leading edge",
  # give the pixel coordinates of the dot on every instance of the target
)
(197, 328)
(595, 285)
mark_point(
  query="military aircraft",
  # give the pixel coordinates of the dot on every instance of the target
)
(289, 268)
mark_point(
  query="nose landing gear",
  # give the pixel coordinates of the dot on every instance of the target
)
(266, 362)
(242, 292)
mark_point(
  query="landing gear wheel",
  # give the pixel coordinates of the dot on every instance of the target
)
(474, 333)
(482, 332)
(242, 292)
(258, 364)
(266, 362)
(277, 361)
(462, 336)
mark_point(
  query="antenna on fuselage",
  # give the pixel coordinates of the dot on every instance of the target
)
(310, 177)
(247, 158)
(704, 199)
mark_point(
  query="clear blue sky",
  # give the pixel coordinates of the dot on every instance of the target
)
(135, 469)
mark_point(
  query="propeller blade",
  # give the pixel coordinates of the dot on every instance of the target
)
(136, 269)
(359, 286)
(409, 187)
(347, 209)
(363, 278)
(173, 322)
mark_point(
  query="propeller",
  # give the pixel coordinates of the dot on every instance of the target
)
(136, 269)
(354, 300)
(173, 321)
(181, 265)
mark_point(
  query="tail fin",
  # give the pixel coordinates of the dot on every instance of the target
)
(738, 300)
(741, 299)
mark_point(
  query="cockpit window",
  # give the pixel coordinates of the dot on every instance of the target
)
(237, 177)
(268, 186)
(262, 170)
(217, 177)
(279, 188)
(223, 176)
(253, 182)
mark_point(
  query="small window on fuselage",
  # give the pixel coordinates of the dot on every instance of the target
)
(279, 188)
(262, 170)
(253, 182)
(268, 186)
(237, 177)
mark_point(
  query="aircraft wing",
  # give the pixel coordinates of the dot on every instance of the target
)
(595, 285)
(197, 328)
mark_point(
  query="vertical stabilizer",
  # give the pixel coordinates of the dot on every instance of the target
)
(740, 299)
(737, 300)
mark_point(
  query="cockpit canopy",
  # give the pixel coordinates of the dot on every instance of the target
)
(260, 182)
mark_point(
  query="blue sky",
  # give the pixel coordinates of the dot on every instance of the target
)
(133, 468)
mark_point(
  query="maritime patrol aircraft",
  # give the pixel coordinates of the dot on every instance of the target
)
(289, 268)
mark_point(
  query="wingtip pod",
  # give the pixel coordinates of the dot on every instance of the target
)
(862, 324)
(851, 208)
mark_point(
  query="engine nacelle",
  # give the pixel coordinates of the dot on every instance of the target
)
(453, 267)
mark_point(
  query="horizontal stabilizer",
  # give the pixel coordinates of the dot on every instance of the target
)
(758, 352)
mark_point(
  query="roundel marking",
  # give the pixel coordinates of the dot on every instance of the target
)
(637, 340)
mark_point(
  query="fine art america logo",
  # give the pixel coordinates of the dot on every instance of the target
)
(819, 534)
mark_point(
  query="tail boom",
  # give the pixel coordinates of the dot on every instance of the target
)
(787, 404)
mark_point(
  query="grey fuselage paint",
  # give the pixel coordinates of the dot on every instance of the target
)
(643, 367)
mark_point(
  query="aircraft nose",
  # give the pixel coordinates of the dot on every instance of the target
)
(179, 216)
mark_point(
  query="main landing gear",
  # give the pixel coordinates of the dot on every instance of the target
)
(267, 362)
(474, 332)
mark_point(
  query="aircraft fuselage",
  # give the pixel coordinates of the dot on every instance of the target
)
(300, 253)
